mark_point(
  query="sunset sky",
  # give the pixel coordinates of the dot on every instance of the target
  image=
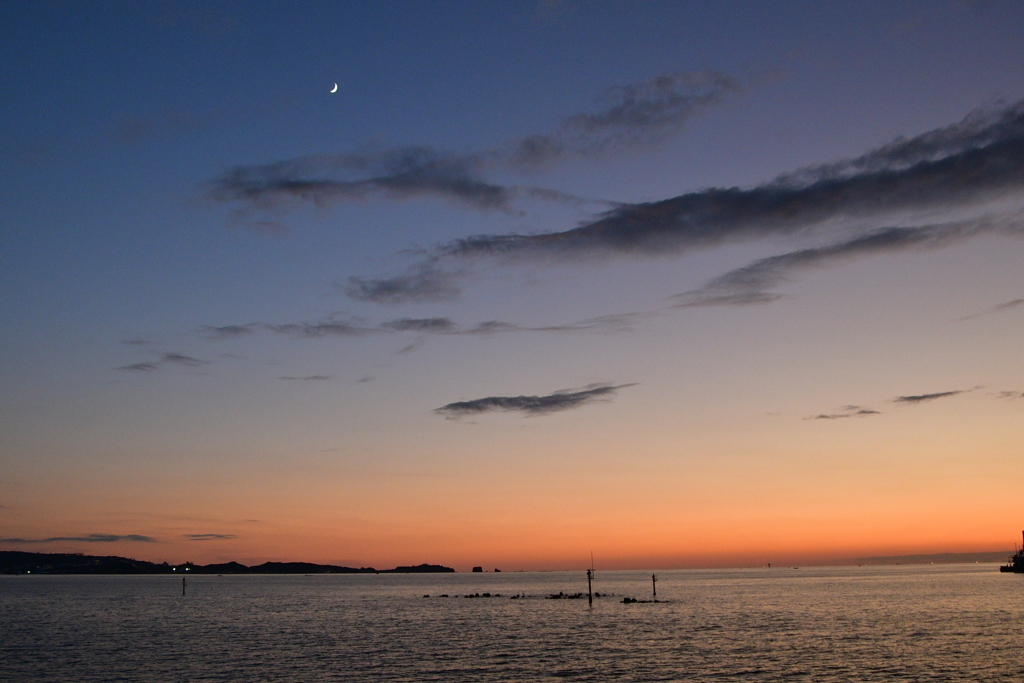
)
(679, 284)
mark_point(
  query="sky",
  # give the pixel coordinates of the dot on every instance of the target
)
(510, 283)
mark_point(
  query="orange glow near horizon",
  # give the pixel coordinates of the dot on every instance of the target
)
(710, 504)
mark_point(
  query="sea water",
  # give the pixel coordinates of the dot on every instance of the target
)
(904, 623)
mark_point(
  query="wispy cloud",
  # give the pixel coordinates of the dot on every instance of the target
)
(911, 399)
(168, 358)
(433, 325)
(971, 166)
(308, 378)
(140, 367)
(1000, 308)
(921, 398)
(964, 166)
(1010, 394)
(326, 328)
(846, 412)
(330, 327)
(979, 129)
(752, 283)
(419, 326)
(615, 322)
(210, 537)
(632, 115)
(1008, 305)
(90, 538)
(421, 283)
(398, 173)
(230, 331)
(182, 359)
(532, 405)
(638, 114)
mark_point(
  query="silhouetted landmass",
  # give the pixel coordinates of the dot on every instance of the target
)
(937, 558)
(16, 562)
(223, 568)
(306, 568)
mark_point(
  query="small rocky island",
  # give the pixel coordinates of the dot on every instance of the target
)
(15, 562)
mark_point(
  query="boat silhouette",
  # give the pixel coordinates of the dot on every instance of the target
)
(1016, 561)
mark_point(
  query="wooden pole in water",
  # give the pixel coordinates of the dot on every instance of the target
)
(590, 575)
(654, 584)
(183, 585)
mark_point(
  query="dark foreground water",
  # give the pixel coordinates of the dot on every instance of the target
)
(908, 623)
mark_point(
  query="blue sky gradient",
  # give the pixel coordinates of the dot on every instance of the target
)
(194, 227)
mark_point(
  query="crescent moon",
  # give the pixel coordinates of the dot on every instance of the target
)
(335, 89)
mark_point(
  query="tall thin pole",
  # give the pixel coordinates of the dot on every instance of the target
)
(654, 584)
(590, 577)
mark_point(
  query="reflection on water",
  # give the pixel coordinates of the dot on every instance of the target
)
(920, 623)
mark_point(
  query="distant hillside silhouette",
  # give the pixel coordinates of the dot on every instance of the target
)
(937, 558)
(16, 562)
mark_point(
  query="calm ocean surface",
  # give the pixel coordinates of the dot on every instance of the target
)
(906, 623)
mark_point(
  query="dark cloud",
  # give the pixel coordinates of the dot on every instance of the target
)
(326, 328)
(140, 367)
(210, 537)
(494, 327)
(978, 129)
(631, 115)
(848, 411)
(309, 378)
(968, 175)
(183, 360)
(175, 358)
(90, 538)
(412, 346)
(229, 331)
(422, 283)
(605, 323)
(1001, 394)
(921, 398)
(422, 326)
(751, 283)
(615, 322)
(959, 167)
(637, 114)
(400, 173)
(322, 328)
(329, 327)
(532, 405)
(1006, 306)
(1009, 304)
(433, 325)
